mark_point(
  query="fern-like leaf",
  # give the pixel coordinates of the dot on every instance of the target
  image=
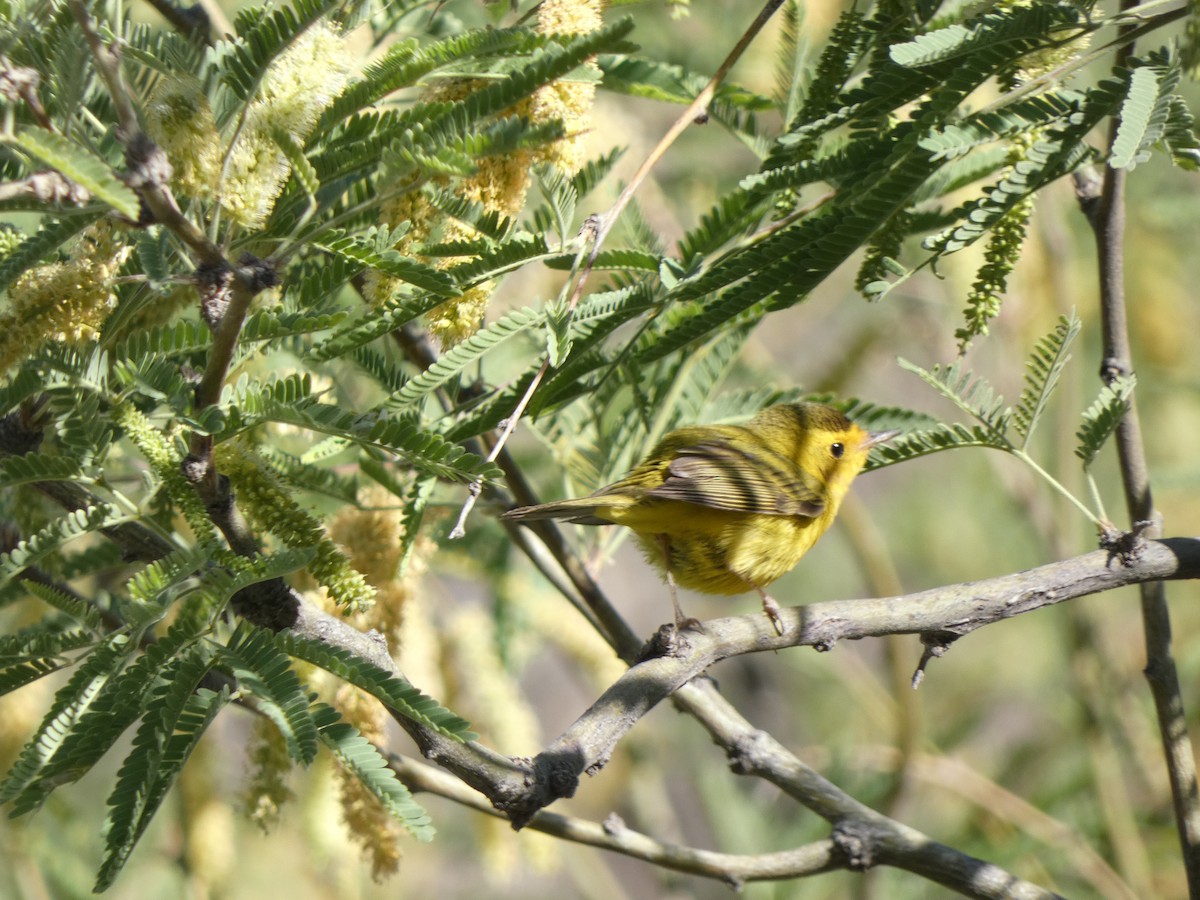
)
(360, 756)
(375, 324)
(970, 393)
(245, 60)
(35, 467)
(932, 440)
(397, 693)
(1143, 116)
(73, 605)
(423, 449)
(163, 580)
(986, 31)
(365, 250)
(81, 167)
(1101, 419)
(51, 538)
(175, 720)
(29, 655)
(463, 355)
(116, 705)
(1043, 370)
(305, 476)
(70, 703)
(253, 658)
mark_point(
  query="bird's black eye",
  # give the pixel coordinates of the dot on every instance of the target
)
(837, 450)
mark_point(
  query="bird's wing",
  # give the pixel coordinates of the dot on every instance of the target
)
(719, 475)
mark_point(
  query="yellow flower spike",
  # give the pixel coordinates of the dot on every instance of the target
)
(297, 88)
(414, 209)
(376, 540)
(267, 791)
(567, 101)
(501, 183)
(64, 301)
(165, 461)
(371, 826)
(180, 120)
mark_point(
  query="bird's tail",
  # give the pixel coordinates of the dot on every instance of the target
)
(581, 511)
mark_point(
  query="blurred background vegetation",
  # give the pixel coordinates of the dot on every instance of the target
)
(1032, 744)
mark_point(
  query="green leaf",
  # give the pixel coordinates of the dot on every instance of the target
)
(558, 334)
(381, 320)
(34, 467)
(244, 60)
(1101, 419)
(51, 538)
(931, 46)
(70, 704)
(78, 608)
(259, 666)
(1043, 370)
(970, 393)
(363, 250)
(986, 31)
(390, 689)
(931, 440)
(305, 475)
(31, 654)
(176, 718)
(361, 757)
(423, 449)
(302, 169)
(462, 355)
(1136, 132)
(114, 704)
(82, 167)
(163, 580)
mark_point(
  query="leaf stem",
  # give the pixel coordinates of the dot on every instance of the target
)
(1054, 483)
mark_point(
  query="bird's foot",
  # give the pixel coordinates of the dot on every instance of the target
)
(774, 613)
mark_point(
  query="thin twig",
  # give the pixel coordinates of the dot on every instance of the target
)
(580, 590)
(695, 109)
(45, 187)
(614, 835)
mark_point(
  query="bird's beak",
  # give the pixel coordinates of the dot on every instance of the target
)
(879, 437)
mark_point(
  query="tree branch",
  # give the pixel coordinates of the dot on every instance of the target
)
(946, 613)
(1105, 212)
(865, 837)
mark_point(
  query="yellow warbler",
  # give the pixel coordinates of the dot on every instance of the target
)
(724, 509)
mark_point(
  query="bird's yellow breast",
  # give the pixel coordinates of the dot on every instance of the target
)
(717, 551)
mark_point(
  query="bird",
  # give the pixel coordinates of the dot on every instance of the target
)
(725, 509)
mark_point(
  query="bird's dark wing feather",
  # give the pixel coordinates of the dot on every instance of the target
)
(719, 475)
